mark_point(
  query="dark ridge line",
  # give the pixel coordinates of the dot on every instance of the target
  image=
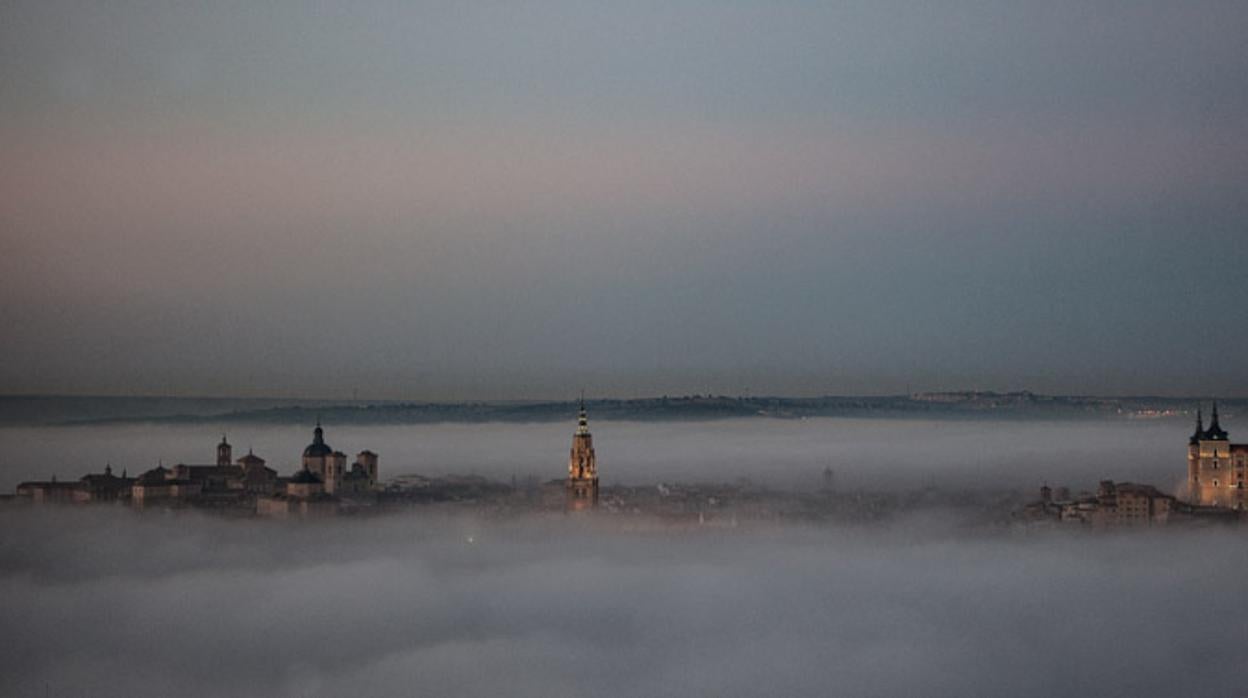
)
(963, 404)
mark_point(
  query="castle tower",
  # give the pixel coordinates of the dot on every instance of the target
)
(1216, 468)
(582, 485)
(335, 469)
(224, 452)
(368, 461)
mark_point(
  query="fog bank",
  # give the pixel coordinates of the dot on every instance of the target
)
(110, 603)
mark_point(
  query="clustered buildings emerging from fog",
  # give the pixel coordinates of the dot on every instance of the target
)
(1214, 489)
(326, 485)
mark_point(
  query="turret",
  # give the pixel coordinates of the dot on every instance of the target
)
(1215, 432)
(368, 461)
(1193, 456)
(224, 452)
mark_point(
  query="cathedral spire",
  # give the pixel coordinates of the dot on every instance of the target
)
(582, 419)
(1200, 427)
(582, 482)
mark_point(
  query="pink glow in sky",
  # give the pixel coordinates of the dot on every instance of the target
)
(419, 202)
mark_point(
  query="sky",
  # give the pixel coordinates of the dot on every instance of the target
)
(111, 603)
(449, 201)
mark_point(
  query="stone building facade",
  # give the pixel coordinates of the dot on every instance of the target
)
(331, 467)
(323, 483)
(1114, 504)
(1216, 467)
(92, 487)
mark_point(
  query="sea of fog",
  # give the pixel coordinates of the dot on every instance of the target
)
(109, 602)
(863, 453)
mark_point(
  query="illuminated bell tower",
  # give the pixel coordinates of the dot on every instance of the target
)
(582, 486)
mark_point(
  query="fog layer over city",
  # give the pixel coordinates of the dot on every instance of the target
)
(108, 602)
(864, 453)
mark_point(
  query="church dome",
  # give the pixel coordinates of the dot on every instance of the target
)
(305, 477)
(318, 448)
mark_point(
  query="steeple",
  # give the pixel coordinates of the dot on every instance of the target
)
(1215, 431)
(582, 420)
(582, 483)
(1200, 428)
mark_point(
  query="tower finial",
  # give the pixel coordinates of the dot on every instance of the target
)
(582, 418)
(1215, 430)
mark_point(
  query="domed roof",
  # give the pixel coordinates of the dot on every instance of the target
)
(251, 459)
(305, 477)
(318, 448)
(316, 451)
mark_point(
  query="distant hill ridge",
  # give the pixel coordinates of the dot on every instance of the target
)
(954, 404)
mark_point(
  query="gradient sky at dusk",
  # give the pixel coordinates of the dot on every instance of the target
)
(520, 199)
